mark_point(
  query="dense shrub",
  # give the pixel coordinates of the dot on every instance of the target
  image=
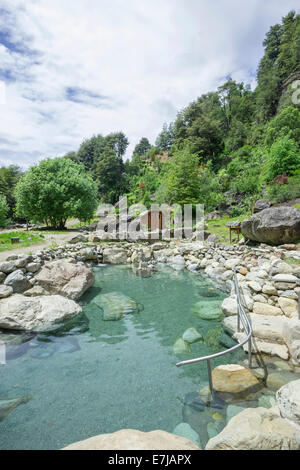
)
(283, 157)
(285, 192)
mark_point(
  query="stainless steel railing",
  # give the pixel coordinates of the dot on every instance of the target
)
(246, 326)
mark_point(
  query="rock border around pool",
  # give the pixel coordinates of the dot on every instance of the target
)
(269, 285)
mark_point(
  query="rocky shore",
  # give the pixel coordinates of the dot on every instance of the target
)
(39, 292)
(269, 285)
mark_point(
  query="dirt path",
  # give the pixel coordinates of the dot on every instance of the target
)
(58, 238)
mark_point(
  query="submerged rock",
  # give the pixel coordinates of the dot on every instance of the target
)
(115, 304)
(181, 347)
(209, 310)
(233, 378)
(191, 335)
(208, 292)
(212, 339)
(7, 405)
(63, 345)
(279, 378)
(185, 430)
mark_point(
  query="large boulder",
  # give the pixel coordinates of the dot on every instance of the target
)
(43, 313)
(131, 439)
(288, 398)
(65, 278)
(232, 378)
(275, 226)
(257, 429)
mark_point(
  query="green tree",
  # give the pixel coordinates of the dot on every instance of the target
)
(182, 185)
(142, 147)
(165, 139)
(109, 173)
(283, 157)
(4, 209)
(92, 149)
(55, 190)
(9, 177)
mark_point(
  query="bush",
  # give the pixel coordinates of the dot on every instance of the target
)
(55, 190)
(285, 192)
(283, 157)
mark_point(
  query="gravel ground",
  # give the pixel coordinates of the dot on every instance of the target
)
(59, 238)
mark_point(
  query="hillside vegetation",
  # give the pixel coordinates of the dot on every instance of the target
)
(227, 148)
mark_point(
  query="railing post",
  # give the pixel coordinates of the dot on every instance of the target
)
(209, 377)
(250, 353)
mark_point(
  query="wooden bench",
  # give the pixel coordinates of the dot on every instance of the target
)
(234, 227)
(15, 240)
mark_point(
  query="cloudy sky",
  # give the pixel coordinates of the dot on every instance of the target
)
(74, 68)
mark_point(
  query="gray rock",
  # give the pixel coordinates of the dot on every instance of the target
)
(21, 262)
(65, 278)
(114, 255)
(291, 335)
(288, 398)
(18, 281)
(33, 267)
(7, 267)
(256, 429)
(212, 239)
(36, 291)
(43, 313)
(78, 238)
(261, 205)
(5, 291)
(274, 226)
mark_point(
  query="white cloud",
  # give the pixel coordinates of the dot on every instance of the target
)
(74, 69)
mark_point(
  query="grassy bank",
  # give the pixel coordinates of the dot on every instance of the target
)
(29, 238)
(218, 227)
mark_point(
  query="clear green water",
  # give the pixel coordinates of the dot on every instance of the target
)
(94, 377)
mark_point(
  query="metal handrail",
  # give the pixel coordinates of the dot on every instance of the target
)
(242, 317)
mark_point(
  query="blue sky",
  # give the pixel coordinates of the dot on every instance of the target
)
(74, 68)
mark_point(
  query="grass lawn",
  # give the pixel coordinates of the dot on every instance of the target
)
(218, 227)
(26, 239)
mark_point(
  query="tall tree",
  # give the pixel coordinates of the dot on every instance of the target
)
(142, 147)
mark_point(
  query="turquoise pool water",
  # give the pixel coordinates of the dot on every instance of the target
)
(96, 376)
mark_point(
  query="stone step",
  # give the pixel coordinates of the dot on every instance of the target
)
(267, 334)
